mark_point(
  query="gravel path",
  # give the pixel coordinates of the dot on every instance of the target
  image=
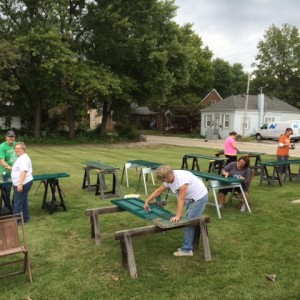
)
(268, 147)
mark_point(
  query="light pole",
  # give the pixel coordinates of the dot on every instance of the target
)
(246, 106)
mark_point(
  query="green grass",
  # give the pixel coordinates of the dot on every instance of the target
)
(245, 247)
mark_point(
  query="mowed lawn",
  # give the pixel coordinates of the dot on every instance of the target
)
(66, 263)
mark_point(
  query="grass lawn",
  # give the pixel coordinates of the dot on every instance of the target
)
(245, 247)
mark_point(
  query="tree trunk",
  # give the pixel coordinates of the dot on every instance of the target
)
(38, 116)
(105, 113)
(71, 121)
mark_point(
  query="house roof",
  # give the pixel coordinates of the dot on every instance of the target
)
(137, 110)
(237, 102)
(212, 95)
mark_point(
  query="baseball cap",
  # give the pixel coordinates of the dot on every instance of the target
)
(10, 133)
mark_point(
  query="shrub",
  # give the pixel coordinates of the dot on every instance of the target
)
(128, 132)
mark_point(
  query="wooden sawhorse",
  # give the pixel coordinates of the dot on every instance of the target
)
(101, 185)
(124, 236)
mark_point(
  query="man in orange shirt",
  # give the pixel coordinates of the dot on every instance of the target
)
(284, 145)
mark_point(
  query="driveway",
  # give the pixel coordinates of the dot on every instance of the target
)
(268, 147)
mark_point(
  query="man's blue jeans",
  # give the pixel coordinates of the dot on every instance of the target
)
(193, 210)
(21, 200)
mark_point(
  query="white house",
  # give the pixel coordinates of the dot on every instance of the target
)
(7, 123)
(6, 120)
(228, 115)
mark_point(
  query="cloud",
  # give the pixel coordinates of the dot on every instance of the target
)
(232, 28)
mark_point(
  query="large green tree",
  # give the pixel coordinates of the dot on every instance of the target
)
(156, 60)
(36, 27)
(277, 67)
(132, 39)
(229, 79)
(195, 79)
(195, 76)
(52, 72)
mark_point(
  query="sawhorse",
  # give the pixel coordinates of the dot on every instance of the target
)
(125, 236)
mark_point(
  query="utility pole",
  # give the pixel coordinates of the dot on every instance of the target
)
(246, 106)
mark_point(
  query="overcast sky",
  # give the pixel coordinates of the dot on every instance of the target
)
(232, 28)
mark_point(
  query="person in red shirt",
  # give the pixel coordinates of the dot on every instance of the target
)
(284, 145)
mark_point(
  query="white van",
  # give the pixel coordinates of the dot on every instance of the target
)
(274, 130)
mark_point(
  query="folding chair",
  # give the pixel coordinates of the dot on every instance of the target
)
(13, 241)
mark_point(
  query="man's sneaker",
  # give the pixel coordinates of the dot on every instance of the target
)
(243, 207)
(182, 253)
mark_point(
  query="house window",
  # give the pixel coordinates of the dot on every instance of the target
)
(208, 120)
(269, 119)
(217, 121)
(245, 123)
(226, 121)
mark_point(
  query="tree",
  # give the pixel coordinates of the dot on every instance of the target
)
(156, 60)
(278, 64)
(107, 53)
(38, 29)
(131, 39)
(8, 58)
(229, 79)
(194, 70)
(223, 77)
(52, 71)
(239, 79)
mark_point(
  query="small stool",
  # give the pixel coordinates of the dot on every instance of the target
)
(101, 185)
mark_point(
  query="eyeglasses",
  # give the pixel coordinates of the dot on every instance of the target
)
(18, 148)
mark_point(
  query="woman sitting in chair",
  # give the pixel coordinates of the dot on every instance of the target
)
(238, 169)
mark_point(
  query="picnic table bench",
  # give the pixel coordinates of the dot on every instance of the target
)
(220, 182)
(50, 181)
(159, 217)
(274, 175)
